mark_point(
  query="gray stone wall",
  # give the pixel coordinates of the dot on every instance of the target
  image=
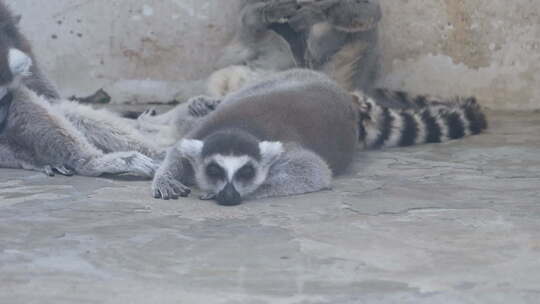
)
(489, 48)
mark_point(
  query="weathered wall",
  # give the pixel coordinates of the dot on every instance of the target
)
(489, 48)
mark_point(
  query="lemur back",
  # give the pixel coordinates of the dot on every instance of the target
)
(299, 106)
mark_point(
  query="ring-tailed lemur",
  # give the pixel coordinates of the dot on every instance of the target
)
(417, 120)
(36, 136)
(290, 133)
(337, 37)
(40, 131)
(10, 37)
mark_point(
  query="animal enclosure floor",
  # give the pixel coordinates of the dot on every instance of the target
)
(446, 223)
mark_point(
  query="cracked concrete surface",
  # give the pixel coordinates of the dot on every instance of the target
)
(448, 223)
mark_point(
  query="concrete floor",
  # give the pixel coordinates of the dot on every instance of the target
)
(448, 223)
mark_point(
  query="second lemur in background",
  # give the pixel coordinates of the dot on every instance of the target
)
(336, 37)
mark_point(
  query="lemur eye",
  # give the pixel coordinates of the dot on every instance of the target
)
(215, 171)
(246, 173)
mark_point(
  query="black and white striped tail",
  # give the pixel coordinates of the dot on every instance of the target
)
(417, 120)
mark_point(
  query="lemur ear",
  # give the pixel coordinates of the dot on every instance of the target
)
(270, 151)
(19, 62)
(190, 148)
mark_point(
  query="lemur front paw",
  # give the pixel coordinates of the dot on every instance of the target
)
(62, 170)
(279, 11)
(140, 164)
(167, 187)
(201, 105)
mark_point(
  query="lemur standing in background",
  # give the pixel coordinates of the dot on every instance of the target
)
(39, 131)
(336, 37)
(290, 133)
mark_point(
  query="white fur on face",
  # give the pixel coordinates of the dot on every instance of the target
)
(19, 62)
(231, 164)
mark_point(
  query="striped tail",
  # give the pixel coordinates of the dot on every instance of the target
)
(417, 120)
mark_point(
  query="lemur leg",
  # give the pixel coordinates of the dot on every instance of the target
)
(198, 107)
(149, 121)
(182, 118)
(13, 158)
(51, 140)
(109, 132)
(299, 171)
(171, 177)
(256, 17)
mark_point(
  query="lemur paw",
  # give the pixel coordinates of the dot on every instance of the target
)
(201, 105)
(140, 164)
(166, 187)
(62, 170)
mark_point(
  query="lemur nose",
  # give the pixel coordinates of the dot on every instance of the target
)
(229, 196)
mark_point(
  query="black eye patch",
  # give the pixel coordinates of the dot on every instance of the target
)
(214, 171)
(245, 173)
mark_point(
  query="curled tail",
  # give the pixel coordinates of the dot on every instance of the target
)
(406, 121)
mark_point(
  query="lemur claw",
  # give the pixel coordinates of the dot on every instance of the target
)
(201, 105)
(65, 171)
(62, 170)
(48, 170)
(164, 188)
(207, 197)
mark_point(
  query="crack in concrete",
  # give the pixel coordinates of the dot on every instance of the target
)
(409, 210)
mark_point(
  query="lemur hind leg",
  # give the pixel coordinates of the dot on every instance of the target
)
(41, 137)
(108, 131)
(299, 171)
(181, 119)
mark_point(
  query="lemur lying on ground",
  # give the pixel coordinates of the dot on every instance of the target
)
(290, 133)
(40, 131)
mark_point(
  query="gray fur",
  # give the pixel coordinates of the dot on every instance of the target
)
(320, 144)
(337, 37)
(38, 137)
(11, 37)
(298, 171)
(40, 131)
(319, 126)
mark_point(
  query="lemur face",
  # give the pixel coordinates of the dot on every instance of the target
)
(228, 176)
